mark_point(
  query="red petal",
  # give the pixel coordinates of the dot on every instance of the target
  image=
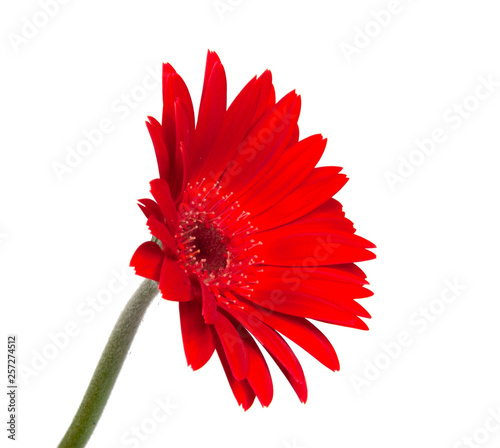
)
(352, 271)
(263, 146)
(292, 278)
(242, 390)
(212, 61)
(184, 132)
(197, 337)
(330, 215)
(210, 116)
(161, 192)
(258, 376)
(300, 331)
(341, 273)
(307, 336)
(330, 209)
(174, 88)
(161, 151)
(232, 344)
(294, 138)
(235, 125)
(209, 303)
(285, 175)
(309, 243)
(147, 260)
(309, 306)
(319, 186)
(150, 207)
(299, 386)
(167, 71)
(180, 177)
(316, 227)
(174, 282)
(337, 283)
(267, 96)
(270, 340)
(161, 232)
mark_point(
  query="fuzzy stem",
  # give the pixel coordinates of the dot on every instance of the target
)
(109, 367)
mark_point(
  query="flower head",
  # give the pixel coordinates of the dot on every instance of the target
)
(247, 236)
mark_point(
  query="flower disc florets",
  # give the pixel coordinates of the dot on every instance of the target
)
(213, 239)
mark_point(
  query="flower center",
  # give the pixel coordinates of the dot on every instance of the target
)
(214, 239)
(210, 247)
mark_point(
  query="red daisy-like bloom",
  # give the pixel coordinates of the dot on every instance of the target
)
(247, 236)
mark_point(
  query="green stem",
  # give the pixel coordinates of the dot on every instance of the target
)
(109, 367)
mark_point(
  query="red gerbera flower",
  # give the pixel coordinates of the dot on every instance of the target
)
(247, 237)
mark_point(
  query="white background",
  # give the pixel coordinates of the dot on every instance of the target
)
(62, 242)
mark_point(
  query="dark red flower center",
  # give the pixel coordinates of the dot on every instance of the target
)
(214, 239)
(209, 247)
